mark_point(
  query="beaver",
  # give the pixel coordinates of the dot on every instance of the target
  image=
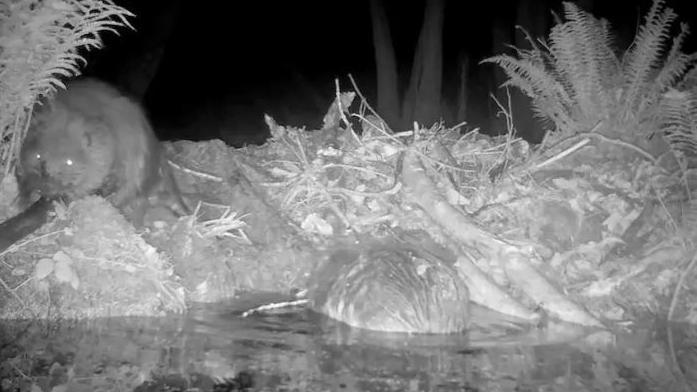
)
(382, 287)
(91, 139)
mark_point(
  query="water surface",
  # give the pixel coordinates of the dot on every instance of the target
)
(297, 350)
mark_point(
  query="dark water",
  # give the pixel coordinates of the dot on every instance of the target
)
(296, 350)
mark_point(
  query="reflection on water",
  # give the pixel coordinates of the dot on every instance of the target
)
(301, 351)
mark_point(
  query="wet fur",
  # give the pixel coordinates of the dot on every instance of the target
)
(91, 139)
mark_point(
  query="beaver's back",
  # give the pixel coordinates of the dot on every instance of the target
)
(389, 289)
(90, 139)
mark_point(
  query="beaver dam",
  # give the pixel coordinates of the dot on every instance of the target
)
(332, 260)
(361, 257)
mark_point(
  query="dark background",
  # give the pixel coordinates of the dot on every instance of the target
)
(223, 64)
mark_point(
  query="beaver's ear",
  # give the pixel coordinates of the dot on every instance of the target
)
(77, 132)
(85, 131)
(87, 139)
(95, 132)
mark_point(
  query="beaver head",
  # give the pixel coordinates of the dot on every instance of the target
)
(65, 154)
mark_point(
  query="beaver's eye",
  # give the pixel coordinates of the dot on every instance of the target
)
(69, 162)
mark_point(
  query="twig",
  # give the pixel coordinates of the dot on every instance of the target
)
(363, 99)
(623, 144)
(14, 247)
(340, 105)
(12, 293)
(671, 310)
(221, 226)
(194, 172)
(275, 306)
(390, 191)
(370, 108)
(357, 168)
(586, 136)
(562, 154)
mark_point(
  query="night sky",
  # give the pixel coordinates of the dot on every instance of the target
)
(225, 63)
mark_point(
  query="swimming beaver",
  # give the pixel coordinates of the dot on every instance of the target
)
(92, 139)
(388, 289)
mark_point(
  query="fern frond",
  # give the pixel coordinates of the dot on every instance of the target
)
(553, 111)
(534, 54)
(689, 81)
(689, 217)
(571, 77)
(643, 57)
(650, 108)
(533, 79)
(674, 70)
(529, 77)
(679, 122)
(576, 79)
(39, 43)
(675, 64)
(582, 49)
(679, 128)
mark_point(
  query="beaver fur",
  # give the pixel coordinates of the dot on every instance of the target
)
(91, 139)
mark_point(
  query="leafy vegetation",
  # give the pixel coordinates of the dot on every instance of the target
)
(39, 45)
(577, 81)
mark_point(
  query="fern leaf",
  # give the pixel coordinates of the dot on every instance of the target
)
(39, 42)
(689, 216)
(531, 77)
(555, 112)
(644, 55)
(674, 69)
(676, 63)
(583, 48)
(547, 94)
(679, 122)
(689, 80)
(576, 78)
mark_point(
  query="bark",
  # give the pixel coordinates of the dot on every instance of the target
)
(386, 64)
(468, 235)
(461, 109)
(423, 99)
(534, 17)
(139, 58)
(26, 222)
